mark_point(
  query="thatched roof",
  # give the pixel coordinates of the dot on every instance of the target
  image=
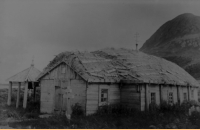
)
(29, 74)
(122, 65)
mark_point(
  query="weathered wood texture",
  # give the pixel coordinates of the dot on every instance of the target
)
(54, 85)
(9, 94)
(92, 99)
(18, 94)
(183, 89)
(47, 96)
(162, 93)
(154, 88)
(93, 96)
(130, 96)
(25, 95)
(77, 94)
(114, 94)
(142, 97)
(57, 73)
(195, 93)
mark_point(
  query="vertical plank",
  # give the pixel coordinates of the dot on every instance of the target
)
(18, 94)
(161, 93)
(9, 94)
(69, 111)
(141, 97)
(189, 93)
(25, 95)
(178, 94)
(147, 96)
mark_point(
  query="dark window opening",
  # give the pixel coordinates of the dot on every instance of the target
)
(153, 97)
(104, 95)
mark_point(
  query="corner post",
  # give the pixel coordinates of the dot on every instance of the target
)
(189, 93)
(161, 93)
(18, 94)
(147, 97)
(9, 94)
(178, 95)
(25, 94)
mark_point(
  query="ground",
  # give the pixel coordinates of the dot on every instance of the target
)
(106, 118)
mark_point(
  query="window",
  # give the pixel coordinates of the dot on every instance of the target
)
(104, 95)
(170, 100)
(192, 93)
(185, 96)
(153, 97)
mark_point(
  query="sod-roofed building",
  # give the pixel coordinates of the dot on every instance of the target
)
(112, 76)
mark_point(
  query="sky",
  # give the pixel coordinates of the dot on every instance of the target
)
(41, 29)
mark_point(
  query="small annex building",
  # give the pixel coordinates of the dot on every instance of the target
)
(112, 76)
(26, 78)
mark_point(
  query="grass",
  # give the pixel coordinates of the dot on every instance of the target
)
(114, 118)
(108, 117)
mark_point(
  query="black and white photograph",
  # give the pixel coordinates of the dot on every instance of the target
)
(99, 64)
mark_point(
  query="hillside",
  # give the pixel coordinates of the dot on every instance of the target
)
(178, 40)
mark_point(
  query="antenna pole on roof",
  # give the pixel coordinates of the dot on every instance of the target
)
(32, 64)
(136, 40)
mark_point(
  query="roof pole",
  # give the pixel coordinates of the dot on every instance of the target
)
(25, 94)
(18, 94)
(9, 94)
(136, 40)
(32, 64)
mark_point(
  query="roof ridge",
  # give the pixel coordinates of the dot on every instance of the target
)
(30, 68)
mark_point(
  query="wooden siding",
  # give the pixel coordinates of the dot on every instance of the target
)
(130, 97)
(68, 80)
(154, 88)
(47, 96)
(78, 93)
(195, 94)
(56, 73)
(114, 94)
(167, 89)
(93, 93)
(142, 97)
(92, 98)
(183, 89)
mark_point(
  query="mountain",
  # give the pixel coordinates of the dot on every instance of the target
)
(178, 40)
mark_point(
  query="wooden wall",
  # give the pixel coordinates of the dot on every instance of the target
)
(130, 96)
(93, 90)
(166, 89)
(88, 95)
(70, 80)
(47, 96)
(78, 93)
(195, 94)
(142, 97)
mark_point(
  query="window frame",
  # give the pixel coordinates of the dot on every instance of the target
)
(171, 98)
(153, 102)
(100, 94)
(185, 96)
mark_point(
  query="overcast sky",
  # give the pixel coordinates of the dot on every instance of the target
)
(44, 28)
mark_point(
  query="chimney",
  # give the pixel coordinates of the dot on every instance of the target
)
(136, 47)
(136, 40)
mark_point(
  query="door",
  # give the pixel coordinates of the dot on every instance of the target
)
(58, 98)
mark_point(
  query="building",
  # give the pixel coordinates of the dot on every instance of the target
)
(112, 76)
(26, 78)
